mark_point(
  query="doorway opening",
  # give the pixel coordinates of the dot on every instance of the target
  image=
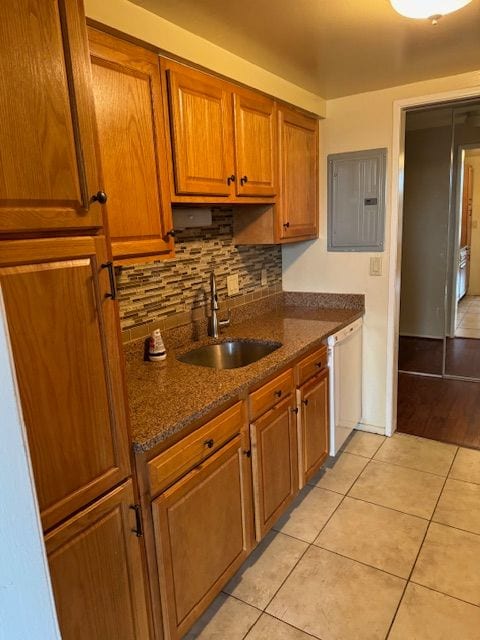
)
(439, 323)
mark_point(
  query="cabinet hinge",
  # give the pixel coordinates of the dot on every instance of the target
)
(138, 531)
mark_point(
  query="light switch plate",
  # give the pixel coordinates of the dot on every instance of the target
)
(263, 278)
(376, 266)
(232, 285)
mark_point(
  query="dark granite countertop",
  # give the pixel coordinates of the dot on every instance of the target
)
(166, 397)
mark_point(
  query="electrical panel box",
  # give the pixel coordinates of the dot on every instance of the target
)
(356, 200)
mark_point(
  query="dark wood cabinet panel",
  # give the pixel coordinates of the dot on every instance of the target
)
(129, 111)
(297, 214)
(274, 463)
(96, 572)
(64, 334)
(202, 535)
(312, 400)
(255, 144)
(47, 138)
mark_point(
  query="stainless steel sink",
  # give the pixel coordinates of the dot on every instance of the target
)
(230, 354)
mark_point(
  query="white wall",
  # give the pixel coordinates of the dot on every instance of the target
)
(26, 602)
(362, 121)
(144, 25)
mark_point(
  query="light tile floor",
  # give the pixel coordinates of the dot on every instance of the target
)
(468, 317)
(383, 543)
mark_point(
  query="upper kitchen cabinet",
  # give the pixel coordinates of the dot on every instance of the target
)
(294, 217)
(297, 214)
(223, 139)
(49, 179)
(255, 144)
(201, 130)
(64, 332)
(129, 111)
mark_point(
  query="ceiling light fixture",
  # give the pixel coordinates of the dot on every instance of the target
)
(431, 9)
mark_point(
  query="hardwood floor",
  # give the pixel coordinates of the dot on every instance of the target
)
(439, 409)
(463, 357)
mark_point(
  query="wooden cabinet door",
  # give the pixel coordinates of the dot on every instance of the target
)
(129, 111)
(64, 336)
(275, 464)
(47, 136)
(202, 535)
(255, 144)
(298, 175)
(202, 137)
(313, 426)
(96, 572)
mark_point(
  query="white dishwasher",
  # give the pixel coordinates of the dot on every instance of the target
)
(345, 383)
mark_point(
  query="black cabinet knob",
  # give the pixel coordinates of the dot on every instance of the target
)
(171, 233)
(100, 197)
(209, 443)
(278, 393)
(230, 179)
(286, 225)
(244, 180)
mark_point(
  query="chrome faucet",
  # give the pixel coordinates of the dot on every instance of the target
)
(213, 322)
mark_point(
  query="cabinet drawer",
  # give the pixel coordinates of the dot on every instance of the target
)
(186, 454)
(264, 398)
(311, 365)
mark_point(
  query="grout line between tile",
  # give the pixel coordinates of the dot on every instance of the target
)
(405, 513)
(404, 466)
(300, 558)
(311, 635)
(409, 579)
(419, 584)
(365, 564)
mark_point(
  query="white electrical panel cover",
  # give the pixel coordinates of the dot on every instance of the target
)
(356, 200)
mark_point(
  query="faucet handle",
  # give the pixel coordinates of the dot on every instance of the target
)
(226, 323)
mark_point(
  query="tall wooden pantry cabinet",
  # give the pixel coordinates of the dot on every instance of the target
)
(58, 286)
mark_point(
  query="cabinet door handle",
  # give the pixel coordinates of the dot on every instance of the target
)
(286, 225)
(100, 197)
(138, 531)
(209, 443)
(230, 179)
(171, 233)
(305, 402)
(248, 453)
(278, 393)
(111, 275)
(319, 364)
(294, 409)
(244, 180)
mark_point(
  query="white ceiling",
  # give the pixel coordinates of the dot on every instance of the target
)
(333, 47)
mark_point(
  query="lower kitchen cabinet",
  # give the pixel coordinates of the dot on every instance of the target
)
(202, 529)
(312, 400)
(96, 572)
(274, 463)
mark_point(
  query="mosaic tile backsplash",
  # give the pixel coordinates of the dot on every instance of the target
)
(152, 291)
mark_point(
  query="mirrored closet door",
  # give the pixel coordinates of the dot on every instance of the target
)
(440, 285)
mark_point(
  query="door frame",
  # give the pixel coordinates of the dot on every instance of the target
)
(395, 243)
